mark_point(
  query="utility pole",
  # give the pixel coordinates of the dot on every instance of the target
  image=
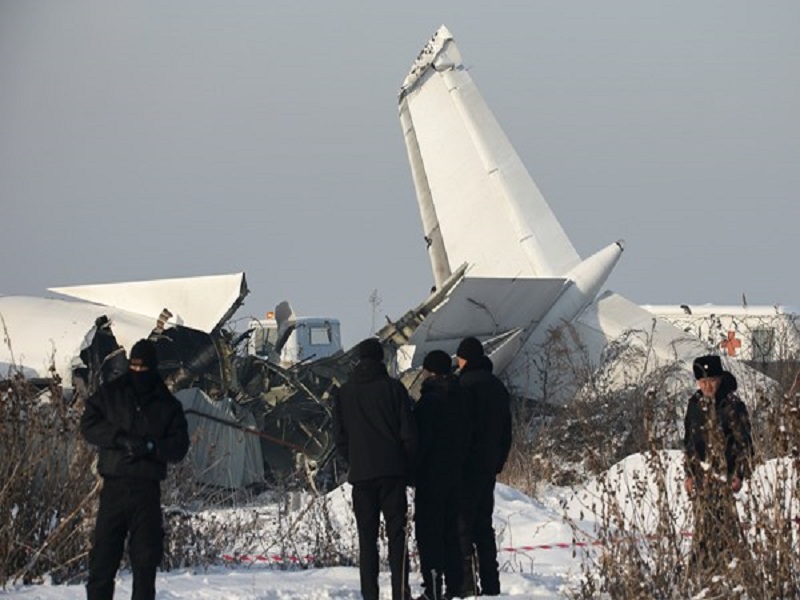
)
(375, 301)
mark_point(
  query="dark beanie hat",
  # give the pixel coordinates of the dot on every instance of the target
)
(470, 349)
(438, 361)
(370, 348)
(707, 366)
(145, 352)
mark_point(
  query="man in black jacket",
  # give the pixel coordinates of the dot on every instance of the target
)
(375, 432)
(441, 422)
(138, 427)
(718, 448)
(488, 445)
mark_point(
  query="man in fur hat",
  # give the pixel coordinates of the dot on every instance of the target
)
(138, 427)
(718, 449)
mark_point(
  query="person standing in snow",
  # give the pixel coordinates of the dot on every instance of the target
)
(440, 416)
(488, 442)
(375, 433)
(718, 449)
(138, 427)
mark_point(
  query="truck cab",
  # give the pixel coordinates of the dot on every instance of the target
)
(302, 339)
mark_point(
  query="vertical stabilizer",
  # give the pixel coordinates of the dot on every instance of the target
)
(477, 202)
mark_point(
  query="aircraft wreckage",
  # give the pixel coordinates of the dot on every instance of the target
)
(256, 416)
(253, 417)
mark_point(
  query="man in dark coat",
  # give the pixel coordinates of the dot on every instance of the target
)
(441, 422)
(138, 427)
(488, 445)
(718, 449)
(375, 432)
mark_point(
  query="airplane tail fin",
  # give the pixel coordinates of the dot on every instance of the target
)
(477, 202)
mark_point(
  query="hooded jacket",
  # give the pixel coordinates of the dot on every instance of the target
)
(441, 415)
(734, 423)
(489, 434)
(374, 429)
(150, 412)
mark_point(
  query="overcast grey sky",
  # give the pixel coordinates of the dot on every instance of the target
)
(144, 140)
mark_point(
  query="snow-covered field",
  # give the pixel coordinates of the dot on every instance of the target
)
(540, 571)
(542, 543)
(264, 584)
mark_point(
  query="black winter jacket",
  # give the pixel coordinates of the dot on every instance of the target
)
(734, 421)
(374, 429)
(442, 420)
(155, 415)
(489, 434)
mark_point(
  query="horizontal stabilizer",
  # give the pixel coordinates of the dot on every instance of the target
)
(502, 349)
(485, 307)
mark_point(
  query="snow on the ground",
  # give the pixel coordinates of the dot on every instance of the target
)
(339, 583)
(541, 542)
(632, 485)
(527, 529)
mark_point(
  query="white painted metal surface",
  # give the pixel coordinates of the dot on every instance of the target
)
(480, 208)
(44, 336)
(202, 303)
(469, 179)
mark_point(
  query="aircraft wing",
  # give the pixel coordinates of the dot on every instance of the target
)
(467, 174)
(202, 303)
(46, 333)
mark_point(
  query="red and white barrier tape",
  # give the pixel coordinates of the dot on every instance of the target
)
(308, 558)
(553, 546)
(278, 559)
(272, 558)
(566, 545)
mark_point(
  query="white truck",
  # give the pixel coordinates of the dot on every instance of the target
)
(288, 340)
(761, 336)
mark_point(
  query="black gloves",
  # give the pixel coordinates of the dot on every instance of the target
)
(134, 445)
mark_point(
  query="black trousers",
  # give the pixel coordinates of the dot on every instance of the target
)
(127, 507)
(436, 521)
(477, 538)
(372, 498)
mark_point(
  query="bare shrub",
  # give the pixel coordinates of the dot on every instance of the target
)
(618, 403)
(48, 490)
(283, 522)
(287, 529)
(49, 496)
(625, 404)
(645, 530)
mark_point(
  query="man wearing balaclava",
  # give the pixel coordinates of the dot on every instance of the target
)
(718, 448)
(138, 427)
